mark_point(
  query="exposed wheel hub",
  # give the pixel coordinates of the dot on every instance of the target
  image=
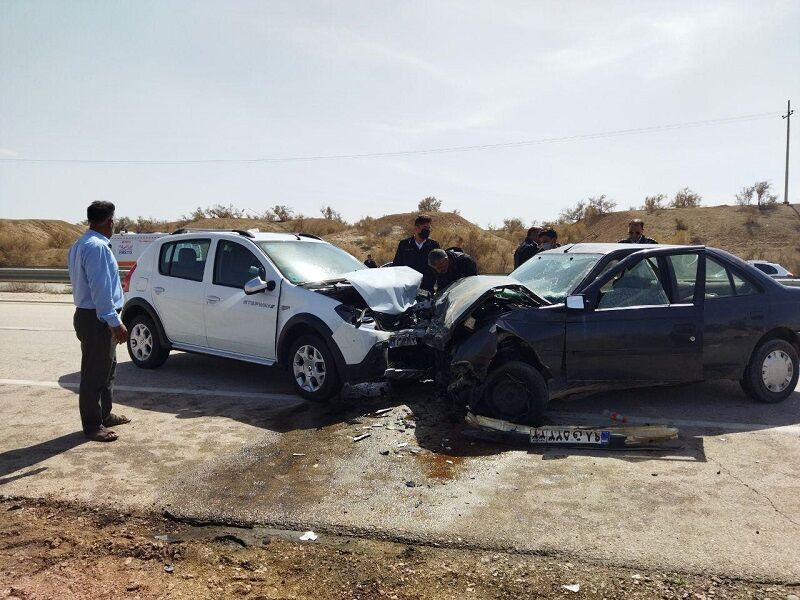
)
(509, 398)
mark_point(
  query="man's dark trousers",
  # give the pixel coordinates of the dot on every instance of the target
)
(98, 367)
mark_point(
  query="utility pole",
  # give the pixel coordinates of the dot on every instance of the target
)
(788, 117)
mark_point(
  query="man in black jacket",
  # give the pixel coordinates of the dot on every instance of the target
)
(636, 234)
(528, 248)
(413, 252)
(450, 266)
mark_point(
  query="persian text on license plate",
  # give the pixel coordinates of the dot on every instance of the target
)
(555, 435)
(402, 340)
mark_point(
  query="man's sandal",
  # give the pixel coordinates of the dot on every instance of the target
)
(113, 420)
(102, 435)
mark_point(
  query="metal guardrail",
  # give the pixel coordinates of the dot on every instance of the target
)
(40, 274)
(54, 275)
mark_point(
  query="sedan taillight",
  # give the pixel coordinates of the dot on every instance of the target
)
(126, 283)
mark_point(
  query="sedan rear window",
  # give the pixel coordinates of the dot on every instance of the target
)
(304, 262)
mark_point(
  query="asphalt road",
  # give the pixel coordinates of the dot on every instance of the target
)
(219, 440)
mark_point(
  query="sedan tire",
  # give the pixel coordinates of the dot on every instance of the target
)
(313, 369)
(515, 391)
(771, 376)
(144, 343)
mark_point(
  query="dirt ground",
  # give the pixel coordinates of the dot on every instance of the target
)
(56, 550)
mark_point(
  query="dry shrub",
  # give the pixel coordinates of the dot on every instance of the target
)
(18, 249)
(24, 287)
(681, 225)
(61, 239)
(681, 238)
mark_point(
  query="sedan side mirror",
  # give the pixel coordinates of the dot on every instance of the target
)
(256, 285)
(576, 303)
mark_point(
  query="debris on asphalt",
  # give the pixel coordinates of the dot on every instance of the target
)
(169, 569)
(298, 454)
(411, 484)
(573, 587)
(402, 444)
(308, 536)
(363, 436)
(384, 453)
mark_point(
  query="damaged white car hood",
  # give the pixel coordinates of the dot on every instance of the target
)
(388, 290)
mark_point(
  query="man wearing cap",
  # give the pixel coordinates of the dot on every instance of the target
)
(97, 293)
(636, 234)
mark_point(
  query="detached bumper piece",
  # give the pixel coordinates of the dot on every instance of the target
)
(576, 436)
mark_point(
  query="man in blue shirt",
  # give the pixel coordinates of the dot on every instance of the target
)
(97, 293)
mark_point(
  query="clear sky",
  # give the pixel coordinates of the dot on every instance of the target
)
(182, 81)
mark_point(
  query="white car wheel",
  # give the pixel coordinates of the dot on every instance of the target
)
(309, 368)
(141, 341)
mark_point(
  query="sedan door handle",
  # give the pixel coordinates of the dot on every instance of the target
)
(158, 289)
(212, 299)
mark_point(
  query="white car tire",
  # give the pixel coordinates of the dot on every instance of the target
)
(312, 369)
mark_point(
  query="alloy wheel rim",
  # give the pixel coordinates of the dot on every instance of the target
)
(777, 371)
(141, 341)
(308, 366)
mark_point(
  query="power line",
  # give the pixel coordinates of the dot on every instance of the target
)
(442, 150)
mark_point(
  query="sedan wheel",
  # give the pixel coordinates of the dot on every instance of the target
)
(309, 368)
(777, 371)
(771, 375)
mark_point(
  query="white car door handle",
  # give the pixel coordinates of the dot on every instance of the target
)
(158, 289)
(212, 299)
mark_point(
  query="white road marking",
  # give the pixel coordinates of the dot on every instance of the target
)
(158, 390)
(593, 419)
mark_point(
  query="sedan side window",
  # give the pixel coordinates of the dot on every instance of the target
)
(235, 265)
(768, 269)
(637, 286)
(685, 268)
(718, 283)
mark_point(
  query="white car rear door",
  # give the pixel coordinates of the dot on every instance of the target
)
(178, 288)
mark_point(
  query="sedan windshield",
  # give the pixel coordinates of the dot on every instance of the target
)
(554, 276)
(302, 262)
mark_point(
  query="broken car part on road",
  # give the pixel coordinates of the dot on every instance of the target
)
(613, 436)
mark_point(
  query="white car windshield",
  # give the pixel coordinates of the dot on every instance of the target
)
(302, 262)
(554, 276)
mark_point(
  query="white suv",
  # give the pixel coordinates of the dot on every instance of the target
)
(267, 298)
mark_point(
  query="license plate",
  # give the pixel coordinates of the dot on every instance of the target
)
(402, 340)
(555, 435)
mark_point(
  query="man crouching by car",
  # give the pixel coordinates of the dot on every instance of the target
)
(450, 265)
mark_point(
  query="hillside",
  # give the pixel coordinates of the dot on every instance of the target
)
(36, 243)
(772, 234)
(380, 237)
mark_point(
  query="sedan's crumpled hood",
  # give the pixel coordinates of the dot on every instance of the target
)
(464, 295)
(388, 290)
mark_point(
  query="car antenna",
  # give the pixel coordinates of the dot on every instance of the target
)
(591, 236)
